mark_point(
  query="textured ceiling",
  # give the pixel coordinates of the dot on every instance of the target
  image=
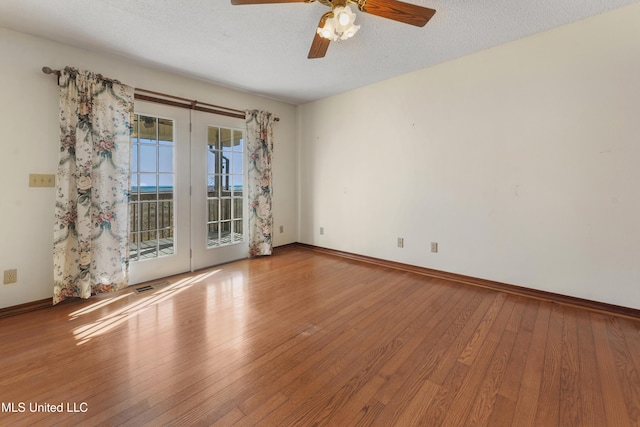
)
(263, 49)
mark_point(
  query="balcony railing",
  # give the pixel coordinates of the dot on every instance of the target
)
(151, 225)
(152, 217)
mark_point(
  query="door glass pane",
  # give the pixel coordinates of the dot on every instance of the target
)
(134, 133)
(213, 135)
(225, 185)
(213, 236)
(152, 183)
(148, 215)
(237, 208)
(134, 158)
(225, 173)
(166, 243)
(237, 163)
(238, 230)
(225, 209)
(147, 183)
(236, 183)
(165, 159)
(165, 186)
(148, 158)
(225, 138)
(165, 132)
(213, 211)
(212, 186)
(147, 128)
(237, 140)
(211, 162)
(149, 245)
(225, 232)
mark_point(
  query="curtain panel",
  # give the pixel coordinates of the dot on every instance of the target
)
(259, 151)
(91, 253)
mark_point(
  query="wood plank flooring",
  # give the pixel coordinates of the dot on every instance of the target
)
(302, 338)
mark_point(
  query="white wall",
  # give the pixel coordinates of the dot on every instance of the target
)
(522, 161)
(29, 144)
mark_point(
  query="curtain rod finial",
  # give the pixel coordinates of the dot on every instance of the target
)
(48, 70)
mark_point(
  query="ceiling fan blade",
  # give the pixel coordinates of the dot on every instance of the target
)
(238, 2)
(318, 47)
(398, 11)
(320, 44)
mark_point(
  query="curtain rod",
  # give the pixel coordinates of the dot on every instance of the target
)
(191, 104)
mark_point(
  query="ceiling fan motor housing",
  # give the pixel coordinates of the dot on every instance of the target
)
(335, 3)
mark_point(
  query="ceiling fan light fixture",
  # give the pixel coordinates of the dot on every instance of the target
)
(350, 32)
(340, 26)
(344, 18)
(328, 30)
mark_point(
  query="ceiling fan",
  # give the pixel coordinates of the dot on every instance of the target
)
(338, 24)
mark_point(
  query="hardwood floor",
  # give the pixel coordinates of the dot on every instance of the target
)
(303, 338)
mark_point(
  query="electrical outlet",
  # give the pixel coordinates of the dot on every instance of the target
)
(321, 231)
(400, 242)
(10, 276)
(434, 247)
(282, 228)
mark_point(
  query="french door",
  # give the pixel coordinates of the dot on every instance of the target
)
(219, 217)
(159, 206)
(188, 205)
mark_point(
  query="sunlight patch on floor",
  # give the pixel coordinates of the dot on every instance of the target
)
(116, 318)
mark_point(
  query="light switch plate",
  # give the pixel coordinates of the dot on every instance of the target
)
(42, 180)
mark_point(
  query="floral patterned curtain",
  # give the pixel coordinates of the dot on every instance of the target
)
(259, 150)
(91, 253)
